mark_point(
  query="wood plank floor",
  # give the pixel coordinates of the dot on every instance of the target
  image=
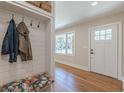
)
(69, 79)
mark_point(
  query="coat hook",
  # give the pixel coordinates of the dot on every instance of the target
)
(12, 16)
(22, 19)
(38, 25)
(31, 23)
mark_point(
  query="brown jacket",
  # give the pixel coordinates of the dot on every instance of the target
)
(24, 42)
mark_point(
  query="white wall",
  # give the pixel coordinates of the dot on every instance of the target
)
(81, 42)
(20, 70)
(81, 57)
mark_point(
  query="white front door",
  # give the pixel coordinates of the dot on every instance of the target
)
(103, 50)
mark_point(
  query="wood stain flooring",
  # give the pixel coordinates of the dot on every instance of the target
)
(70, 79)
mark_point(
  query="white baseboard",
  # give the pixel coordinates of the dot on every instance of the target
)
(122, 79)
(123, 83)
(73, 65)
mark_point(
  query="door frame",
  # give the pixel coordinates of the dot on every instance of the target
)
(119, 48)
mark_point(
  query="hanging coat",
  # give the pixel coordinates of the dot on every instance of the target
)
(25, 50)
(10, 42)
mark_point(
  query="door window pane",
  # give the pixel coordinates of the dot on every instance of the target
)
(108, 31)
(108, 34)
(108, 37)
(96, 37)
(102, 33)
(97, 33)
(102, 37)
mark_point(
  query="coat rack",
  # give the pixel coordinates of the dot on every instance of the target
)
(38, 25)
(23, 18)
(31, 23)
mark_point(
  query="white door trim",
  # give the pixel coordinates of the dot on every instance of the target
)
(119, 57)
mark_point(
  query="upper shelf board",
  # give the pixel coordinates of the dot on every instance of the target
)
(26, 9)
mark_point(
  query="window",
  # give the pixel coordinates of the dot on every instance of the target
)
(103, 34)
(61, 44)
(69, 44)
(108, 34)
(65, 43)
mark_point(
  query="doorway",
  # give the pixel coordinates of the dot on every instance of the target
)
(105, 44)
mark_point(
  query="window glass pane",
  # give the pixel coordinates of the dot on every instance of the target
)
(96, 33)
(70, 43)
(102, 37)
(108, 31)
(61, 44)
(102, 32)
(108, 37)
(96, 37)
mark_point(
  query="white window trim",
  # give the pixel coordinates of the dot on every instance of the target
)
(73, 51)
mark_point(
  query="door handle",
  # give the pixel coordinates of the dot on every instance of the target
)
(91, 53)
(91, 49)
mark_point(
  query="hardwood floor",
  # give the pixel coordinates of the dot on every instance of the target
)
(69, 79)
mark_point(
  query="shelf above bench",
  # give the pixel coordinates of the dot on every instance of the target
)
(26, 9)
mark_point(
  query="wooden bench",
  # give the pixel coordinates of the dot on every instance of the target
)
(35, 83)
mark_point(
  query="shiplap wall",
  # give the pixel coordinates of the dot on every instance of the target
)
(19, 70)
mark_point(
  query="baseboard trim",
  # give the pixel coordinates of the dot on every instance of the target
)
(73, 65)
(123, 83)
(122, 79)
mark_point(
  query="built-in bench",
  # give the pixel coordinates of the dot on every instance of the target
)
(36, 83)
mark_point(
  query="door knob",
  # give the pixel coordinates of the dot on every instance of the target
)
(91, 53)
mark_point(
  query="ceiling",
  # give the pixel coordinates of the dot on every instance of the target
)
(72, 12)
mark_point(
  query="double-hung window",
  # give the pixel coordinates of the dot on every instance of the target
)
(65, 43)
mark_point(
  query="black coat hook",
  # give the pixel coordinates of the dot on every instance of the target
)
(38, 25)
(31, 23)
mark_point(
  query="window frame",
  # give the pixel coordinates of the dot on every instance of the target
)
(73, 48)
(106, 36)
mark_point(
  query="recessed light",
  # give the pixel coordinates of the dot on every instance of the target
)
(94, 3)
